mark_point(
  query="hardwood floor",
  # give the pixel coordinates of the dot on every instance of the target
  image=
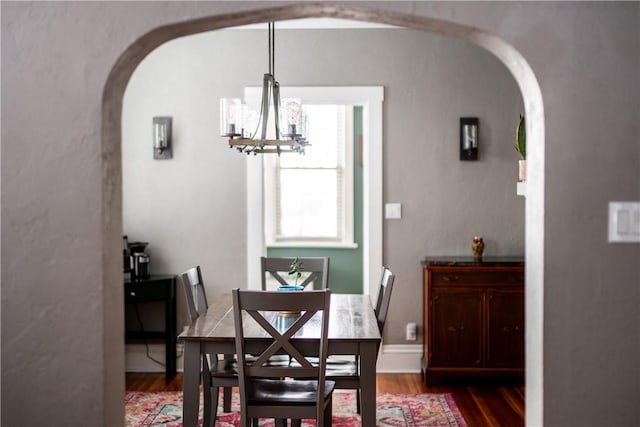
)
(480, 405)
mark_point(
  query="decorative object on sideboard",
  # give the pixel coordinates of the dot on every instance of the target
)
(242, 126)
(521, 148)
(162, 138)
(469, 138)
(477, 247)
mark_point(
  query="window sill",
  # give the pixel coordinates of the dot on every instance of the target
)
(302, 244)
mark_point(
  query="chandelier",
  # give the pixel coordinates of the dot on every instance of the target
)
(249, 132)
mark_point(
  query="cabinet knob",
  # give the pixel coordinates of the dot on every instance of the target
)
(133, 294)
(450, 278)
(454, 329)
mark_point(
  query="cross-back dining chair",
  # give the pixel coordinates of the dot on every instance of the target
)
(312, 268)
(215, 373)
(346, 373)
(195, 295)
(282, 392)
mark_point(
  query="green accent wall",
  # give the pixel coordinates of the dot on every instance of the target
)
(345, 265)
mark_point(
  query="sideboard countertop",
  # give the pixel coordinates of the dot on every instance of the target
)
(490, 261)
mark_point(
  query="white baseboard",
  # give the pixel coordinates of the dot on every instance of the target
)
(400, 359)
(393, 358)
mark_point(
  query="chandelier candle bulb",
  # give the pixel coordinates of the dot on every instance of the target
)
(230, 116)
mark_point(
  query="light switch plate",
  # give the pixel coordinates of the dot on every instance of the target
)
(624, 222)
(393, 210)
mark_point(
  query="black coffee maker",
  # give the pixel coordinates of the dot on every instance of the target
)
(136, 261)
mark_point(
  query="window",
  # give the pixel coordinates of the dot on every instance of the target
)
(309, 198)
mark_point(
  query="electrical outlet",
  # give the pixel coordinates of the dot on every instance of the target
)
(411, 331)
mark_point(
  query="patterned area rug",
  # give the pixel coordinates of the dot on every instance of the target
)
(164, 409)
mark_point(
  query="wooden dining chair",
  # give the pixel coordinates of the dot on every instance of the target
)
(195, 295)
(278, 269)
(215, 373)
(283, 392)
(346, 373)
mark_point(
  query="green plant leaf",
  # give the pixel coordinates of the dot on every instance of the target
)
(521, 138)
(295, 269)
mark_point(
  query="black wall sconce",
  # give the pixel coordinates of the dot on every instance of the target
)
(162, 138)
(469, 138)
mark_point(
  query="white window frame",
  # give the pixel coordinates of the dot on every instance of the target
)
(371, 99)
(346, 227)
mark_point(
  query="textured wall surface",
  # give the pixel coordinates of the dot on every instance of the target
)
(60, 317)
(430, 82)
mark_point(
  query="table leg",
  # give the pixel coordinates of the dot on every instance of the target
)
(170, 335)
(368, 353)
(191, 384)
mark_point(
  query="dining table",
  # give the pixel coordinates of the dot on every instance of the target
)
(353, 331)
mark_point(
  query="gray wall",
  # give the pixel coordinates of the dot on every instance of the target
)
(191, 208)
(56, 334)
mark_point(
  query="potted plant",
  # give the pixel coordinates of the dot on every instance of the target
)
(521, 148)
(295, 270)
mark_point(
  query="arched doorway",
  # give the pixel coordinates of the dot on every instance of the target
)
(112, 182)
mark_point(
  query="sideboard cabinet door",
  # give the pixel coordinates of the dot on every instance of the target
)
(505, 314)
(456, 326)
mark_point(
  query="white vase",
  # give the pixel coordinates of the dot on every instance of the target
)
(522, 170)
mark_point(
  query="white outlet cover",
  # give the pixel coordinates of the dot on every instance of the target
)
(411, 330)
(624, 222)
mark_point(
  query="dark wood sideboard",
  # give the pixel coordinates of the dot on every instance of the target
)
(156, 288)
(473, 318)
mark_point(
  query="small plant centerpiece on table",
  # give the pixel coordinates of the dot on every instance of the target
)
(295, 270)
(521, 148)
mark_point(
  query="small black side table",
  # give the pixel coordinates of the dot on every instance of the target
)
(156, 288)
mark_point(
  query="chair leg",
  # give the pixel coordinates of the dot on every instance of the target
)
(358, 401)
(296, 423)
(208, 420)
(226, 399)
(328, 413)
(211, 396)
(280, 422)
(255, 422)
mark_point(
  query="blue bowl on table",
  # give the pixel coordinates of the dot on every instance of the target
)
(290, 288)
